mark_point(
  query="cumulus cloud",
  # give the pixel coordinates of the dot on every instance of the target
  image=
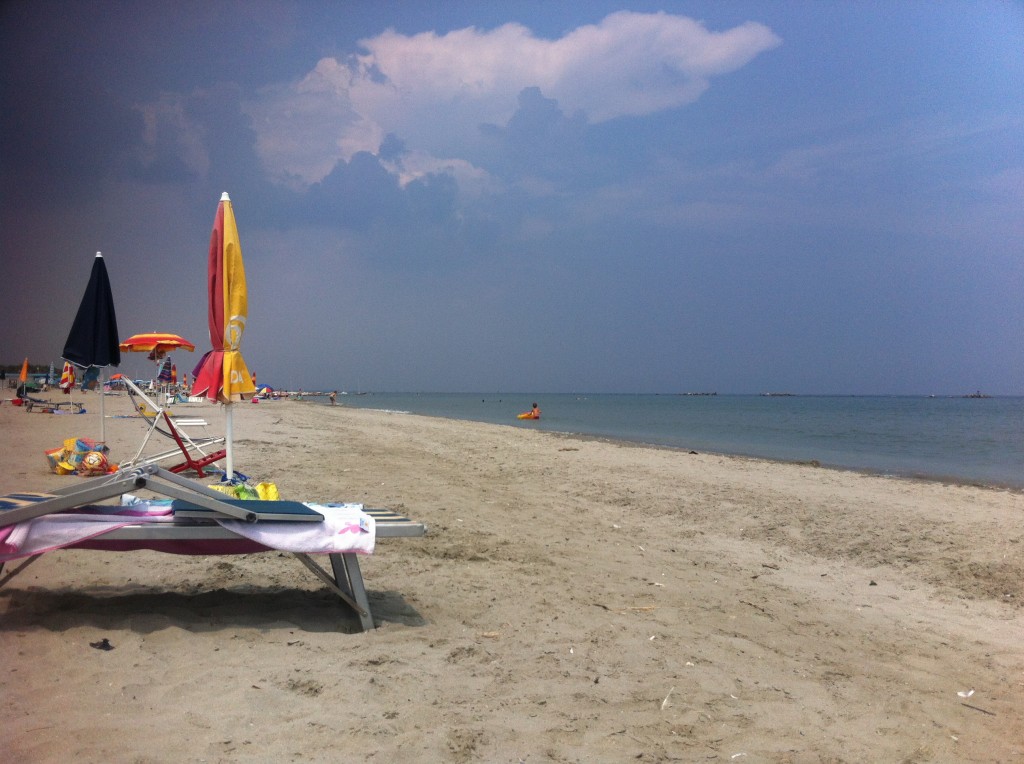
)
(303, 128)
(435, 91)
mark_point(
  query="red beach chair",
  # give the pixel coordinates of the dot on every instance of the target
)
(196, 452)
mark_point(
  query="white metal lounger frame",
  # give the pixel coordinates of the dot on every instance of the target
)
(180, 426)
(18, 507)
(345, 579)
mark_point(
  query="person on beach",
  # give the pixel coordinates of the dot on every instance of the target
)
(333, 396)
(535, 411)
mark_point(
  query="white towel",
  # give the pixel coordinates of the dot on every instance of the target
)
(345, 528)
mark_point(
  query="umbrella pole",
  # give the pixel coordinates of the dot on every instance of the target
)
(228, 448)
(103, 416)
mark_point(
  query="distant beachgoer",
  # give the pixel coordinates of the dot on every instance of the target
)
(536, 411)
(333, 396)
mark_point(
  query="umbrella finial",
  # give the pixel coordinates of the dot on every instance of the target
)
(224, 197)
(99, 254)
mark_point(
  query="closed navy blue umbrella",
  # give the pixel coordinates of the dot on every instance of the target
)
(92, 340)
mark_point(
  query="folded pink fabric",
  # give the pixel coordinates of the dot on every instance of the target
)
(49, 532)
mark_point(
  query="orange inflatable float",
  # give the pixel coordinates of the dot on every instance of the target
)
(533, 414)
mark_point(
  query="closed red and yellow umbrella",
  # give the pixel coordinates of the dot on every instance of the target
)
(221, 375)
(23, 377)
(67, 377)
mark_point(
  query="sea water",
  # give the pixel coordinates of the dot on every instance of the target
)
(977, 440)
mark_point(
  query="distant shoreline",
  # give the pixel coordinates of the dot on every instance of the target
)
(626, 442)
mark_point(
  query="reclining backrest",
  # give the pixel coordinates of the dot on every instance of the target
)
(146, 407)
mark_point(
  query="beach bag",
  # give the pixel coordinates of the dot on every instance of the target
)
(268, 491)
(243, 491)
(262, 492)
(240, 491)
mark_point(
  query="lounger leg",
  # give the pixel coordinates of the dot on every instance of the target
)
(345, 583)
(11, 574)
(348, 576)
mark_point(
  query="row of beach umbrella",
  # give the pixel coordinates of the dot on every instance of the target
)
(221, 375)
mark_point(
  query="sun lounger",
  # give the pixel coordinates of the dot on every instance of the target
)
(51, 407)
(42, 405)
(202, 521)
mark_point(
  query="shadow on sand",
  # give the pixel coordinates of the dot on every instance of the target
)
(151, 609)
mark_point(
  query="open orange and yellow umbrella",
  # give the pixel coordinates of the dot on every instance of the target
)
(158, 343)
(221, 375)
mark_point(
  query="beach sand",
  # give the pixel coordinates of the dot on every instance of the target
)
(575, 600)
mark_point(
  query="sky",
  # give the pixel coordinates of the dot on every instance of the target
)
(738, 197)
